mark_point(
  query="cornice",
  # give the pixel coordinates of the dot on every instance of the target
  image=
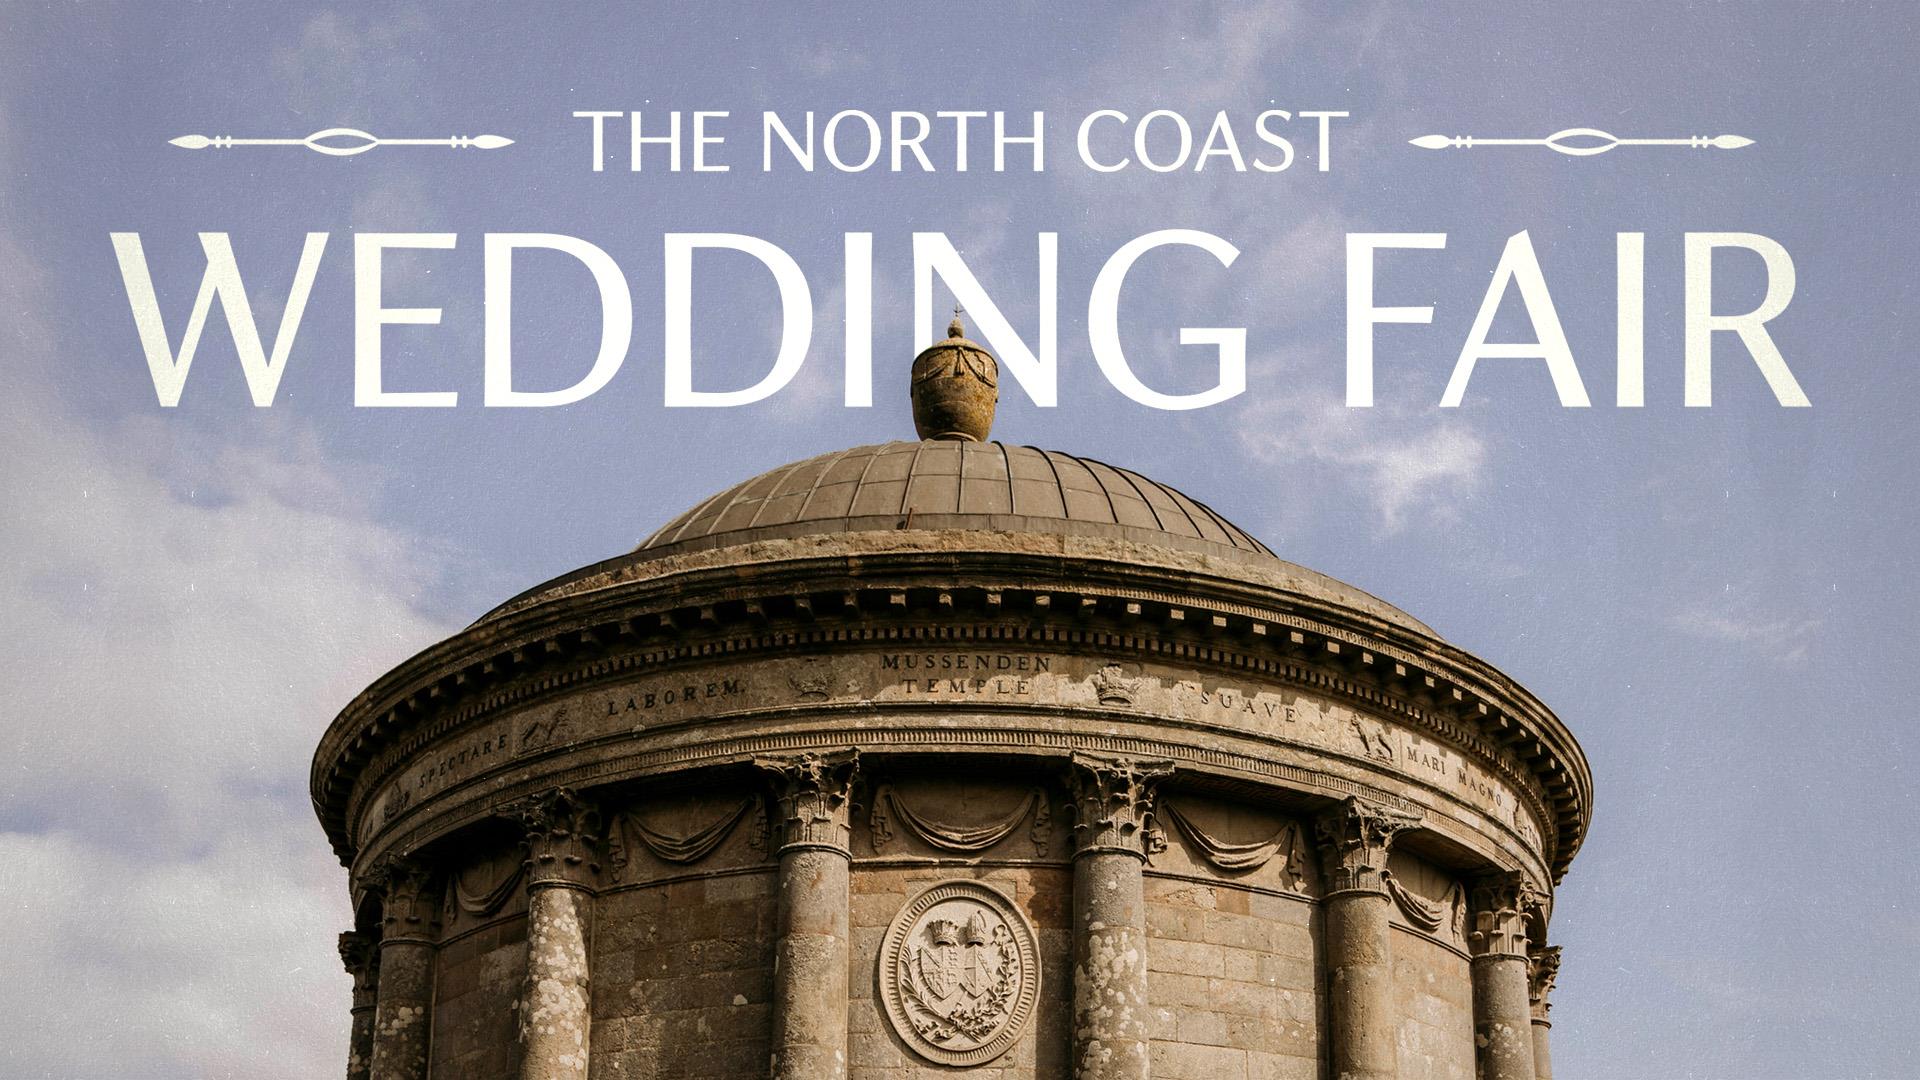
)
(1072, 603)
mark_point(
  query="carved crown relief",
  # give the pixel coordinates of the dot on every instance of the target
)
(1112, 685)
(959, 973)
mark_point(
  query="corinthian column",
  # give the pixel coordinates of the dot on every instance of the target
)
(812, 949)
(1542, 969)
(1354, 838)
(555, 1021)
(1502, 1018)
(1112, 815)
(361, 955)
(410, 918)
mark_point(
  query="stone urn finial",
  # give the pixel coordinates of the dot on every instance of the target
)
(956, 385)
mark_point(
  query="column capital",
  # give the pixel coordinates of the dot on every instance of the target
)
(1543, 967)
(409, 902)
(1113, 804)
(815, 795)
(1354, 838)
(1500, 905)
(360, 954)
(562, 839)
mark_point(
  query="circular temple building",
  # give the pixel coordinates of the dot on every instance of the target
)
(950, 757)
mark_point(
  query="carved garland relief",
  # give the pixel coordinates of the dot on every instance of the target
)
(959, 973)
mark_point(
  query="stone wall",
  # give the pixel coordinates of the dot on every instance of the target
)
(477, 981)
(1043, 893)
(1232, 983)
(682, 945)
(1432, 980)
(682, 934)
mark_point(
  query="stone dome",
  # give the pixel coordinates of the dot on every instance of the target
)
(950, 484)
(908, 496)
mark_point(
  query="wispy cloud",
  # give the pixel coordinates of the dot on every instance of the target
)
(1732, 622)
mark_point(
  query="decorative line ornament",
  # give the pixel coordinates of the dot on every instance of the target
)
(341, 142)
(1582, 142)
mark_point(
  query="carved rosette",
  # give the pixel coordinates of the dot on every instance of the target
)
(562, 839)
(1543, 967)
(1354, 838)
(1500, 903)
(1113, 804)
(360, 954)
(959, 973)
(409, 899)
(814, 793)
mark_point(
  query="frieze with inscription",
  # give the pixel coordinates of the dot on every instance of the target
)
(980, 677)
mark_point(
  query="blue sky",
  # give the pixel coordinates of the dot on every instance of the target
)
(1715, 600)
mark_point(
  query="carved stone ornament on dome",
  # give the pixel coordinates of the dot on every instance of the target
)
(679, 850)
(959, 973)
(956, 385)
(888, 807)
(1112, 685)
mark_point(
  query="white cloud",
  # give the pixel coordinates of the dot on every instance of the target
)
(1406, 466)
(184, 615)
(1733, 622)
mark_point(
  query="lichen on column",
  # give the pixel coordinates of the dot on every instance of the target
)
(360, 953)
(812, 949)
(410, 921)
(1354, 839)
(1113, 835)
(563, 835)
(1502, 1015)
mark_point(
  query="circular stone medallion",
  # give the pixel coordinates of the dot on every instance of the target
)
(959, 972)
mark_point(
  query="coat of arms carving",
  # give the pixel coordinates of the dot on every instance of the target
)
(959, 973)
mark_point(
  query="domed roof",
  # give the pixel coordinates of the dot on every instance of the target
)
(952, 484)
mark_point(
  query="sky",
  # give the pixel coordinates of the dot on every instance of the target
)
(1714, 600)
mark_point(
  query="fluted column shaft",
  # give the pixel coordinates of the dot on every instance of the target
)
(1113, 811)
(410, 919)
(563, 832)
(360, 953)
(1502, 1017)
(813, 946)
(1361, 1020)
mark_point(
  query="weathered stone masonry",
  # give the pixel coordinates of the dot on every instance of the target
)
(950, 758)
